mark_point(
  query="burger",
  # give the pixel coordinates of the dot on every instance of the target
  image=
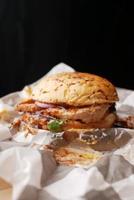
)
(69, 100)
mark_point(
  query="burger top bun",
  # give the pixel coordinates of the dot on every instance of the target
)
(74, 89)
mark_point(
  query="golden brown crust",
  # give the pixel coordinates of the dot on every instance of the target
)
(41, 122)
(92, 113)
(74, 88)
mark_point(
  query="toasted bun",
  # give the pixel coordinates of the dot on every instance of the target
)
(74, 88)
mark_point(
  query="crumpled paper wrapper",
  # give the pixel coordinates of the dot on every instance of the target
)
(33, 173)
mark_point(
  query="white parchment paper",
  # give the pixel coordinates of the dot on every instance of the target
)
(34, 174)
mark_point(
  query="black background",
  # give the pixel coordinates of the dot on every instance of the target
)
(92, 36)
